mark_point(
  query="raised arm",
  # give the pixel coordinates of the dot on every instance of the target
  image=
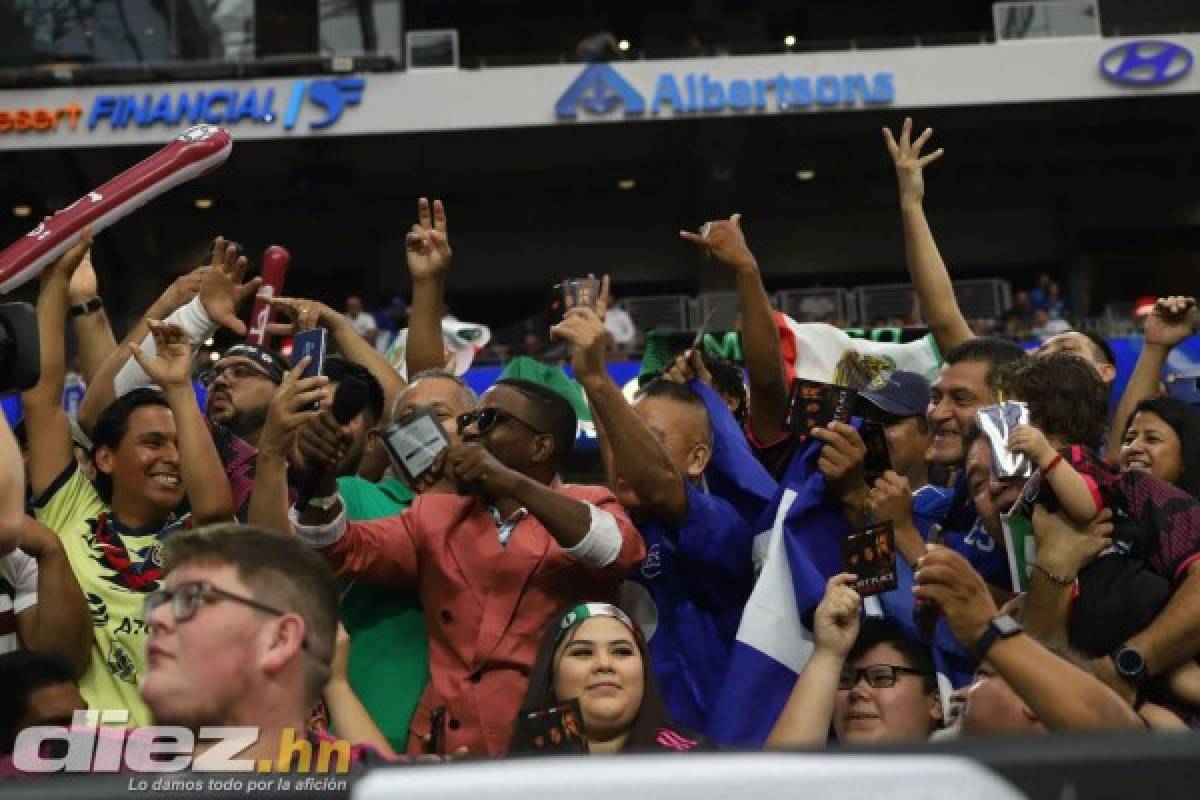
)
(306, 314)
(50, 450)
(428, 249)
(808, 713)
(60, 621)
(1172, 321)
(724, 241)
(1063, 696)
(349, 718)
(93, 335)
(638, 457)
(209, 494)
(293, 405)
(929, 275)
(1063, 549)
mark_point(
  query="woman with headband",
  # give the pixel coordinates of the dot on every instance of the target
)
(597, 655)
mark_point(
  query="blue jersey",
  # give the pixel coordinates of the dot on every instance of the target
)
(964, 532)
(698, 577)
(930, 504)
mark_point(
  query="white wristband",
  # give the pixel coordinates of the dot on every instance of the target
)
(318, 536)
(602, 544)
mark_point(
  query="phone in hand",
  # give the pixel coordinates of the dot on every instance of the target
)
(879, 458)
(814, 405)
(552, 730)
(575, 293)
(870, 554)
(310, 343)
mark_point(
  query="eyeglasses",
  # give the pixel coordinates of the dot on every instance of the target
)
(487, 418)
(879, 676)
(187, 598)
(236, 371)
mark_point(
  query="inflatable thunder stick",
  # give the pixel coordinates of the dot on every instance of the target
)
(274, 271)
(198, 150)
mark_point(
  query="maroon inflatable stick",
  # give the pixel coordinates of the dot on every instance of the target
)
(274, 268)
(197, 150)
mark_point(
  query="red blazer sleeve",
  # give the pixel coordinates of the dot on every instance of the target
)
(380, 551)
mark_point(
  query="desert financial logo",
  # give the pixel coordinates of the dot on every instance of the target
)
(1146, 63)
(600, 89)
(328, 98)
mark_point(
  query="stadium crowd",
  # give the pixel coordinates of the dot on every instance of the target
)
(273, 557)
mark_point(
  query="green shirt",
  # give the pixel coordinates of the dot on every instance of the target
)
(389, 651)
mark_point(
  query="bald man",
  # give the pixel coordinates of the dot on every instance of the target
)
(698, 573)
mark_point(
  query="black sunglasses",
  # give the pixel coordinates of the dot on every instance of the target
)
(487, 418)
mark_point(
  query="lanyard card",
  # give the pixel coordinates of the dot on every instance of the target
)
(552, 730)
(413, 442)
(814, 405)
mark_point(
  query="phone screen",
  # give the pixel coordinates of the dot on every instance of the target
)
(310, 343)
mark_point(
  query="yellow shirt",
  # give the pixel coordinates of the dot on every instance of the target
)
(116, 568)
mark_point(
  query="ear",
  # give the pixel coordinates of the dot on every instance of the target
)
(543, 448)
(698, 458)
(284, 642)
(935, 706)
(1107, 373)
(104, 458)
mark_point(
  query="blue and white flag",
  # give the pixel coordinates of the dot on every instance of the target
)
(775, 640)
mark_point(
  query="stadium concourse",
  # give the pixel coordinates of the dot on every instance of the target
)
(413, 398)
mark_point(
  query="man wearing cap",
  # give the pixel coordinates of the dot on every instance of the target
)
(898, 400)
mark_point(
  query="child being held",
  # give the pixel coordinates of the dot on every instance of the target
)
(1121, 592)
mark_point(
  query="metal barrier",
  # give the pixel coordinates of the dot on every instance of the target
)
(982, 298)
(815, 305)
(716, 311)
(669, 312)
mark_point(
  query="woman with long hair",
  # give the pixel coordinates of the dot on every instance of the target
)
(1162, 437)
(597, 655)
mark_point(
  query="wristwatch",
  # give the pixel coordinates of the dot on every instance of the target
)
(1001, 627)
(323, 503)
(1130, 665)
(89, 306)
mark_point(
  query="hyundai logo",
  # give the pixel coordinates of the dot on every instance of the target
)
(1146, 63)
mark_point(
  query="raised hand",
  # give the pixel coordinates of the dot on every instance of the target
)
(293, 406)
(687, 365)
(841, 459)
(906, 156)
(836, 620)
(475, 469)
(303, 315)
(427, 244)
(1172, 321)
(222, 289)
(585, 331)
(84, 285)
(723, 240)
(891, 499)
(171, 367)
(179, 293)
(1064, 548)
(1030, 442)
(949, 581)
(67, 264)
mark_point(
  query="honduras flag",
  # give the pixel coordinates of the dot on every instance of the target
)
(803, 534)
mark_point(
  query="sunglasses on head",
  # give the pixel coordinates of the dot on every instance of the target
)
(485, 419)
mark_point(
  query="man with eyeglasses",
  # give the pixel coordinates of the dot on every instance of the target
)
(241, 633)
(491, 564)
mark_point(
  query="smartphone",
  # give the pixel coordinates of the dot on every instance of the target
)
(310, 343)
(413, 443)
(997, 424)
(925, 612)
(436, 743)
(878, 459)
(576, 293)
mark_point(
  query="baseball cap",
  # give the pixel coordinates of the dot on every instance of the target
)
(898, 392)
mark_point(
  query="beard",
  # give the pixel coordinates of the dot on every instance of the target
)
(246, 423)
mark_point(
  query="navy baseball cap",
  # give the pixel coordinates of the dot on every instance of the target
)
(899, 393)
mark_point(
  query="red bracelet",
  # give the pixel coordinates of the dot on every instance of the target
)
(1050, 467)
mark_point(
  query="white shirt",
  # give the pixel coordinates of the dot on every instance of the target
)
(18, 591)
(363, 322)
(618, 322)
